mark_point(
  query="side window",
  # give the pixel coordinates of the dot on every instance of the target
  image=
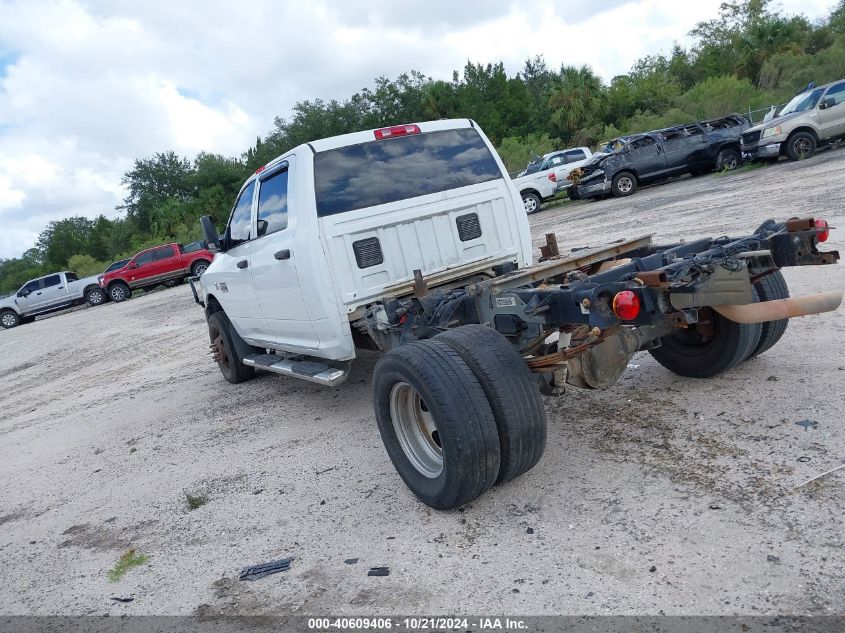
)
(640, 143)
(144, 258)
(162, 253)
(52, 280)
(71, 277)
(273, 204)
(32, 286)
(575, 155)
(837, 92)
(240, 222)
(556, 160)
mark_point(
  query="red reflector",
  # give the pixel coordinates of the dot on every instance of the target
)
(260, 169)
(824, 230)
(626, 305)
(396, 130)
(552, 177)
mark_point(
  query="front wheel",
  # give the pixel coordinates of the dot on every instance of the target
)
(624, 184)
(436, 424)
(728, 159)
(170, 283)
(9, 319)
(228, 349)
(800, 145)
(199, 268)
(531, 201)
(95, 296)
(119, 292)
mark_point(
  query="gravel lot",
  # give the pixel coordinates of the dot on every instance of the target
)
(661, 495)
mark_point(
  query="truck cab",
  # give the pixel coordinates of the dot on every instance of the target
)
(321, 232)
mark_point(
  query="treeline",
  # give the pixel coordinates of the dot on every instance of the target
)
(746, 58)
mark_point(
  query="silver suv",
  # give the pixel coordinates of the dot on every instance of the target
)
(813, 117)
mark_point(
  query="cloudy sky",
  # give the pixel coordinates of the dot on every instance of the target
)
(88, 86)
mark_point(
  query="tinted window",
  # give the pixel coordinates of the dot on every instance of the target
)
(837, 92)
(52, 280)
(193, 246)
(379, 172)
(273, 203)
(642, 142)
(71, 277)
(32, 286)
(575, 155)
(241, 221)
(117, 265)
(144, 258)
(162, 253)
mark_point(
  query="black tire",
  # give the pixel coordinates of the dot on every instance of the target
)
(531, 202)
(769, 288)
(572, 193)
(728, 159)
(95, 296)
(119, 291)
(624, 184)
(689, 353)
(199, 267)
(511, 391)
(9, 319)
(447, 394)
(229, 349)
(800, 145)
(171, 283)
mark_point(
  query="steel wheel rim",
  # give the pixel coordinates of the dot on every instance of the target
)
(218, 349)
(625, 184)
(8, 320)
(530, 205)
(117, 293)
(801, 146)
(416, 431)
(201, 269)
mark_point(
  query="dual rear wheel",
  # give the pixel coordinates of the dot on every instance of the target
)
(458, 414)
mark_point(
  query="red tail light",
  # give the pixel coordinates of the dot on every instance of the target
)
(824, 230)
(626, 305)
(396, 130)
(552, 177)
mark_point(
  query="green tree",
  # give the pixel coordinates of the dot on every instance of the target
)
(64, 238)
(578, 101)
(154, 180)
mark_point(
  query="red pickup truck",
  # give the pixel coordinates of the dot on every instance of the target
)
(168, 265)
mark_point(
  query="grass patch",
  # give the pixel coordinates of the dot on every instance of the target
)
(195, 502)
(739, 170)
(127, 561)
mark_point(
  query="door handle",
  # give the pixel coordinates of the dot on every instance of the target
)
(284, 254)
(38, 293)
(60, 287)
(243, 263)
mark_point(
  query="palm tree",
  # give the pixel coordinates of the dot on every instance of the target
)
(577, 101)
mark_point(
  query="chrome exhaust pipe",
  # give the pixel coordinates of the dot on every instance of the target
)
(782, 308)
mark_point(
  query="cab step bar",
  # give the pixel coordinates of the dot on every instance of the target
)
(308, 370)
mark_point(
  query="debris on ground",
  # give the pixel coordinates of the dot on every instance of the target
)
(351, 561)
(379, 571)
(122, 598)
(529, 531)
(808, 424)
(773, 559)
(804, 459)
(824, 474)
(265, 569)
(772, 378)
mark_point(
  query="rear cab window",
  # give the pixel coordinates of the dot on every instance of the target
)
(384, 171)
(52, 280)
(164, 252)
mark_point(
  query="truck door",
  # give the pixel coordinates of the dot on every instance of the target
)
(684, 147)
(29, 296)
(53, 292)
(273, 264)
(832, 117)
(231, 282)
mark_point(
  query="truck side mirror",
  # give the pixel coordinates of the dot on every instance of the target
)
(23, 292)
(262, 227)
(212, 239)
(827, 102)
(133, 264)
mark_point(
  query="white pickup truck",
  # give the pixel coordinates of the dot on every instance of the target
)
(411, 240)
(48, 294)
(548, 175)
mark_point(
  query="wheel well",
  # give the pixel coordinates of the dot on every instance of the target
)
(630, 170)
(114, 282)
(200, 261)
(809, 130)
(534, 191)
(88, 288)
(212, 305)
(732, 145)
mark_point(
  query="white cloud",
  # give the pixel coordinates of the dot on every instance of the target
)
(87, 87)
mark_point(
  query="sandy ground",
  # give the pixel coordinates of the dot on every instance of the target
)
(661, 495)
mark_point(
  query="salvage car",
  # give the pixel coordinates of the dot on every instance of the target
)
(812, 118)
(623, 164)
(548, 175)
(326, 252)
(49, 293)
(167, 265)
